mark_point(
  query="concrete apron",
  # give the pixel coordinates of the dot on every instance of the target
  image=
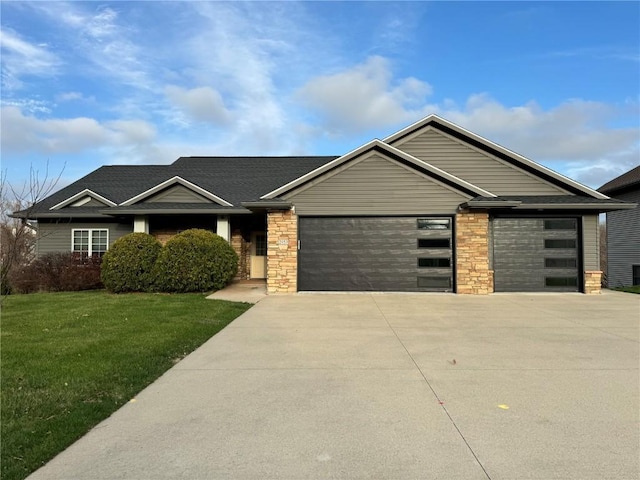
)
(389, 387)
(248, 291)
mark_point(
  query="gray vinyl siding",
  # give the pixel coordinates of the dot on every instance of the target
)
(56, 236)
(474, 166)
(590, 242)
(623, 241)
(177, 194)
(93, 203)
(375, 185)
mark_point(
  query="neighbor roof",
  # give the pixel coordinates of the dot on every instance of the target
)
(624, 181)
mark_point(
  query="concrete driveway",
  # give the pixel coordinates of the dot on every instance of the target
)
(389, 387)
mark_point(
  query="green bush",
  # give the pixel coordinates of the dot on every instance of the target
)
(128, 264)
(195, 260)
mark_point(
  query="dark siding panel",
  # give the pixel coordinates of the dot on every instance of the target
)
(364, 254)
(623, 242)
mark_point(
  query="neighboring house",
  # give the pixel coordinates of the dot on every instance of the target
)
(432, 207)
(623, 231)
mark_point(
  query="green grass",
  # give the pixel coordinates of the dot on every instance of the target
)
(69, 360)
(634, 289)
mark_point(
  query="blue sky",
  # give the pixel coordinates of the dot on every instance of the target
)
(86, 84)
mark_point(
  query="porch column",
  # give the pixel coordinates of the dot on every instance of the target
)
(141, 224)
(224, 227)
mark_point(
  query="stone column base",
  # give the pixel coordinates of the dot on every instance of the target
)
(592, 282)
(282, 252)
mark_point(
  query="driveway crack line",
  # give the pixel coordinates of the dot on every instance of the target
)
(435, 394)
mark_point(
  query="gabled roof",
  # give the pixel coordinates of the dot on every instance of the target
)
(176, 180)
(234, 179)
(623, 182)
(385, 149)
(83, 194)
(493, 148)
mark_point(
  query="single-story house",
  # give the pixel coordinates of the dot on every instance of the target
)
(433, 207)
(623, 231)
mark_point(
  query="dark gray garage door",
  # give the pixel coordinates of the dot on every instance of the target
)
(535, 254)
(409, 254)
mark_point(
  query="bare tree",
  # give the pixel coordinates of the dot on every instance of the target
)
(17, 234)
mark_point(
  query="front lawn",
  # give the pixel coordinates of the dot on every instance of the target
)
(69, 360)
(634, 289)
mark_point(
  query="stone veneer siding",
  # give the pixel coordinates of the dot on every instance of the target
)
(282, 252)
(592, 281)
(473, 273)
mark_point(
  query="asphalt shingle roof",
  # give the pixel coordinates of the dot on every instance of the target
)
(632, 177)
(235, 179)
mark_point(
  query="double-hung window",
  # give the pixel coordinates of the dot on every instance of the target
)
(90, 241)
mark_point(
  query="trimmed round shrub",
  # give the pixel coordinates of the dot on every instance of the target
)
(128, 264)
(195, 260)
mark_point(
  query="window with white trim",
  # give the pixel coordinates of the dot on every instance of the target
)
(89, 242)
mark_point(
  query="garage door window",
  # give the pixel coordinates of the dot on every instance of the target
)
(434, 262)
(560, 262)
(434, 243)
(560, 224)
(560, 243)
(434, 224)
(561, 281)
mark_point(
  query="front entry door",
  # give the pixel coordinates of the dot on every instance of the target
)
(258, 255)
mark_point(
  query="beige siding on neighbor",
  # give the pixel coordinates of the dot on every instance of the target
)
(56, 237)
(177, 194)
(375, 185)
(590, 242)
(474, 166)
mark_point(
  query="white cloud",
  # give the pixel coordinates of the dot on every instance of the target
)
(23, 134)
(574, 130)
(577, 136)
(21, 58)
(69, 96)
(203, 104)
(364, 97)
(31, 105)
(101, 40)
